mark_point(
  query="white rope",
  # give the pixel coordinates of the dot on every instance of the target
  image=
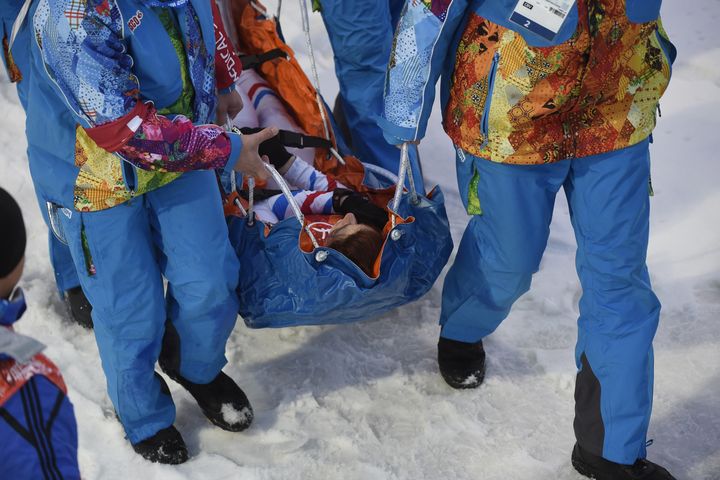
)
(238, 204)
(411, 180)
(233, 181)
(291, 201)
(381, 172)
(261, 10)
(313, 65)
(399, 186)
(337, 156)
(233, 188)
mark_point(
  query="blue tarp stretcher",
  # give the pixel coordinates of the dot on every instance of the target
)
(287, 278)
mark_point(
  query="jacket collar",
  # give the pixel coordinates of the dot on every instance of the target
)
(13, 308)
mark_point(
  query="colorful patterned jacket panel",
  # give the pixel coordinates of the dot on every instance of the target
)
(597, 92)
(517, 98)
(98, 59)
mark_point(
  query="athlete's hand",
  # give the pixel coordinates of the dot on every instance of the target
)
(250, 162)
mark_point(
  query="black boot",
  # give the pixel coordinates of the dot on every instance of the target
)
(462, 365)
(80, 308)
(596, 467)
(222, 401)
(166, 446)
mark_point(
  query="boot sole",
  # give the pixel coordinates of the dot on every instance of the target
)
(227, 427)
(465, 384)
(585, 470)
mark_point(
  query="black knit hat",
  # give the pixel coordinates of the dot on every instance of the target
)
(12, 234)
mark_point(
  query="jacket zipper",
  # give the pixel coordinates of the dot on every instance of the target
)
(664, 48)
(129, 173)
(485, 124)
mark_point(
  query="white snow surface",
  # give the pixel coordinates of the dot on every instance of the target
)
(365, 401)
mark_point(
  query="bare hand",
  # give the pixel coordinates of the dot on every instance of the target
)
(228, 106)
(250, 162)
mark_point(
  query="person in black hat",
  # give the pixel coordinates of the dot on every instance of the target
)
(37, 422)
(12, 243)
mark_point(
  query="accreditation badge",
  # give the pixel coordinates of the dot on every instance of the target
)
(542, 17)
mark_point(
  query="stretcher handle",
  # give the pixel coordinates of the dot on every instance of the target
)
(291, 201)
(399, 186)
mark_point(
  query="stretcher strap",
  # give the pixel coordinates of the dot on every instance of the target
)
(252, 61)
(300, 140)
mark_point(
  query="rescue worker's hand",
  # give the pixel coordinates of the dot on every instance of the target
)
(273, 149)
(228, 106)
(250, 162)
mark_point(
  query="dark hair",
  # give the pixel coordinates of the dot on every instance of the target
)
(362, 247)
(12, 240)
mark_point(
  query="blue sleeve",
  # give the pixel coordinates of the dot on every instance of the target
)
(85, 56)
(422, 40)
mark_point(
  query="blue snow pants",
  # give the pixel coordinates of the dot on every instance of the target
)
(501, 249)
(361, 35)
(177, 232)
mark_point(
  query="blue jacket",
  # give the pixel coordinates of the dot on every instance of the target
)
(38, 433)
(88, 64)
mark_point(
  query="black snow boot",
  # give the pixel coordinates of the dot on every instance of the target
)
(598, 468)
(166, 446)
(79, 306)
(462, 364)
(222, 401)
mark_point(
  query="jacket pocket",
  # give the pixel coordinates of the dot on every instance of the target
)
(485, 122)
(642, 11)
(129, 176)
(468, 178)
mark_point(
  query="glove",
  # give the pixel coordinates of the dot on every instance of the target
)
(272, 148)
(346, 201)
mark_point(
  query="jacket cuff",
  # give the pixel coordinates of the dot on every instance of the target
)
(395, 135)
(236, 145)
(112, 136)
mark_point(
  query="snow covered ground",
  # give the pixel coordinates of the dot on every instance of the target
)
(366, 401)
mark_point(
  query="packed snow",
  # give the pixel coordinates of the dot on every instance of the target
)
(365, 401)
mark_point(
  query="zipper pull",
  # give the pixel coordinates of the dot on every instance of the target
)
(658, 110)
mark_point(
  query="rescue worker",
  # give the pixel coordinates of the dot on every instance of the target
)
(37, 423)
(536, 96)
(110, 133)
